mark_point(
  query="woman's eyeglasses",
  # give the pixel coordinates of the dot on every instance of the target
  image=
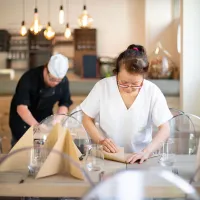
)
(127, 86)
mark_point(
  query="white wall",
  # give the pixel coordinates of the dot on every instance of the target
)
(158, 19)
(113, 19)
(136, 18)
(190, 57)
(118, 22)
(161, 26)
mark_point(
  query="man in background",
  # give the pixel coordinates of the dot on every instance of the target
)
(36, 94)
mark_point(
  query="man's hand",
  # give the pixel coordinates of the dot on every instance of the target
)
(58, 119)
(108, 145)
(39, 128)
(62, 110)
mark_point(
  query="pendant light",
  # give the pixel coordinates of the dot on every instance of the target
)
(49, 33)
(36, 27)
(61, 14)
(85, 20)
(23, 30)
(68, 32)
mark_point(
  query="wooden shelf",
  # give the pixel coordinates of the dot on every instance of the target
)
(18, 51)
(17, 59)
(41, 50)
(63, 42)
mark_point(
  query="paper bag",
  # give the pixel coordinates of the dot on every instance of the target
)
(119, 156)
(19, 160)
(57, 163)
(25, 141)
(53, 136)
(74, 153)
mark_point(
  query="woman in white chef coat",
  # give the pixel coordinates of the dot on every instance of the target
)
(128, 105)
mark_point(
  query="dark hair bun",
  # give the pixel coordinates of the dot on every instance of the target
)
(137, 48)
(134, 59)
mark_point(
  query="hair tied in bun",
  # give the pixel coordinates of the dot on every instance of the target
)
(135, 48)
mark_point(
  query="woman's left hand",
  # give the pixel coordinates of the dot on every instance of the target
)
(138, 157)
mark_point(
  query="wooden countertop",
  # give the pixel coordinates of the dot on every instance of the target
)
(53, 186)
(59, 186)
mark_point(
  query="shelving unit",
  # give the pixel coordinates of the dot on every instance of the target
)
(59, 39)
(34, 50)
(28, 51)
(18, 55)
(84, 44)
(4, 40)
(65, 47)
(40, 49)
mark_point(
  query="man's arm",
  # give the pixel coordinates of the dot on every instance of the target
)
(26, 115)
(65, 101)
(22, 98)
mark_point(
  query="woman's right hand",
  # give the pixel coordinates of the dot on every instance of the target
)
(108, 145)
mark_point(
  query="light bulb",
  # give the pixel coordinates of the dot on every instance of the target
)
(23, 30)
(68, 32)
(61, 15)
(85, 20)
(157, 50)
(49, 33)
(36, 27)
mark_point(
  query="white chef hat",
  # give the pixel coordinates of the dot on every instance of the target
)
(58, 65)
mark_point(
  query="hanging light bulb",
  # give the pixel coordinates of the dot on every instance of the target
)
(23, 30)
(36, 27)
(68, 32)
(85, 20)
(49, 33)
(61, 15)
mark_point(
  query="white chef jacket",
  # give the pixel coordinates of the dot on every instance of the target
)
(129, 128)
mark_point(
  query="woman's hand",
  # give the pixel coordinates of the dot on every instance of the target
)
(108, 145)
(139, 157)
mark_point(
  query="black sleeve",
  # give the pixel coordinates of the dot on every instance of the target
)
(22, 93)
(65, 99)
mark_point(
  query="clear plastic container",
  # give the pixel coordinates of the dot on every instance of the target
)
(167, 155)
(94, 158)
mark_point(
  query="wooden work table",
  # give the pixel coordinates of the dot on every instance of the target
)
(54, 186)
(59, 186)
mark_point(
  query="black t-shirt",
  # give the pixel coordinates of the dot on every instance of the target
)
(32, 91)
